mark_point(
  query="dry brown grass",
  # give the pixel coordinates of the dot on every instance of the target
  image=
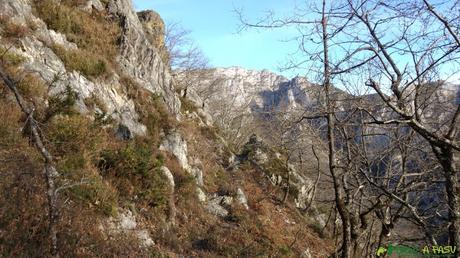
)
(261, 231)
(90, 65)
(77, 145)
(22, 216)
(12, 30)
(287, 229)
(95, 35)
(32, 87)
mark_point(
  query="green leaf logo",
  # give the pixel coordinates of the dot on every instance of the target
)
(381, 251)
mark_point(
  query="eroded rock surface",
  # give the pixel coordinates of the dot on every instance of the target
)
(140, 59)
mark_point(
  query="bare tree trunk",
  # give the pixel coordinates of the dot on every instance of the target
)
(315, 185)
(446, 158)
(339, 198)
(53, 210)
(50, 171)
(288, 183)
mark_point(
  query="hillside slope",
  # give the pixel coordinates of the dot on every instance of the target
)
(141, 172)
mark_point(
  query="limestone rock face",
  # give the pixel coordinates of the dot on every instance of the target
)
(139, 58)
(241, 198)
(307, 254)
(166, 172)
(214, 206)
(201, 195)
(154, 28)
(174, 143)
(125, 223)
(19, 10)
(92, 4)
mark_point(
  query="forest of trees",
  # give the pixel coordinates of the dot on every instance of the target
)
(388, 155)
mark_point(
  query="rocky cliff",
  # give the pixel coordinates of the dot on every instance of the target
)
(255, 100)
(138, 57)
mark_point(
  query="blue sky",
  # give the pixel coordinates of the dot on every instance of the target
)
(214, 25)
(214, 28)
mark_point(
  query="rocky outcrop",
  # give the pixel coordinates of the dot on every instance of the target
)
(241, 198)
(276, 170)
(171, 203)
(126, 223)
(214, 206)
(91, 5)
(174, 143)
(154, 28)
(40, 59)
(214, 203)
(139, 59)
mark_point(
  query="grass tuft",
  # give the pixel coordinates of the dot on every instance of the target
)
(87, 63)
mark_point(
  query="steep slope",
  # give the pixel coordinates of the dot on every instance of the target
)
(275, 110)
(139, 174)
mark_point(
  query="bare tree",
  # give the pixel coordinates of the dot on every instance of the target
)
(50, 171)
(353, 32)
(429, 48)
(188, 61)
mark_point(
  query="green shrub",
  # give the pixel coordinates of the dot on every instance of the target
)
(62, 104)
(69, 135)
(99, 194)
(32, 86)
(136, 169)
(10, 58)
(151, 109)
(185, 187)
(155, 189)
(132, 159)
(72, 162)
(285, 251)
